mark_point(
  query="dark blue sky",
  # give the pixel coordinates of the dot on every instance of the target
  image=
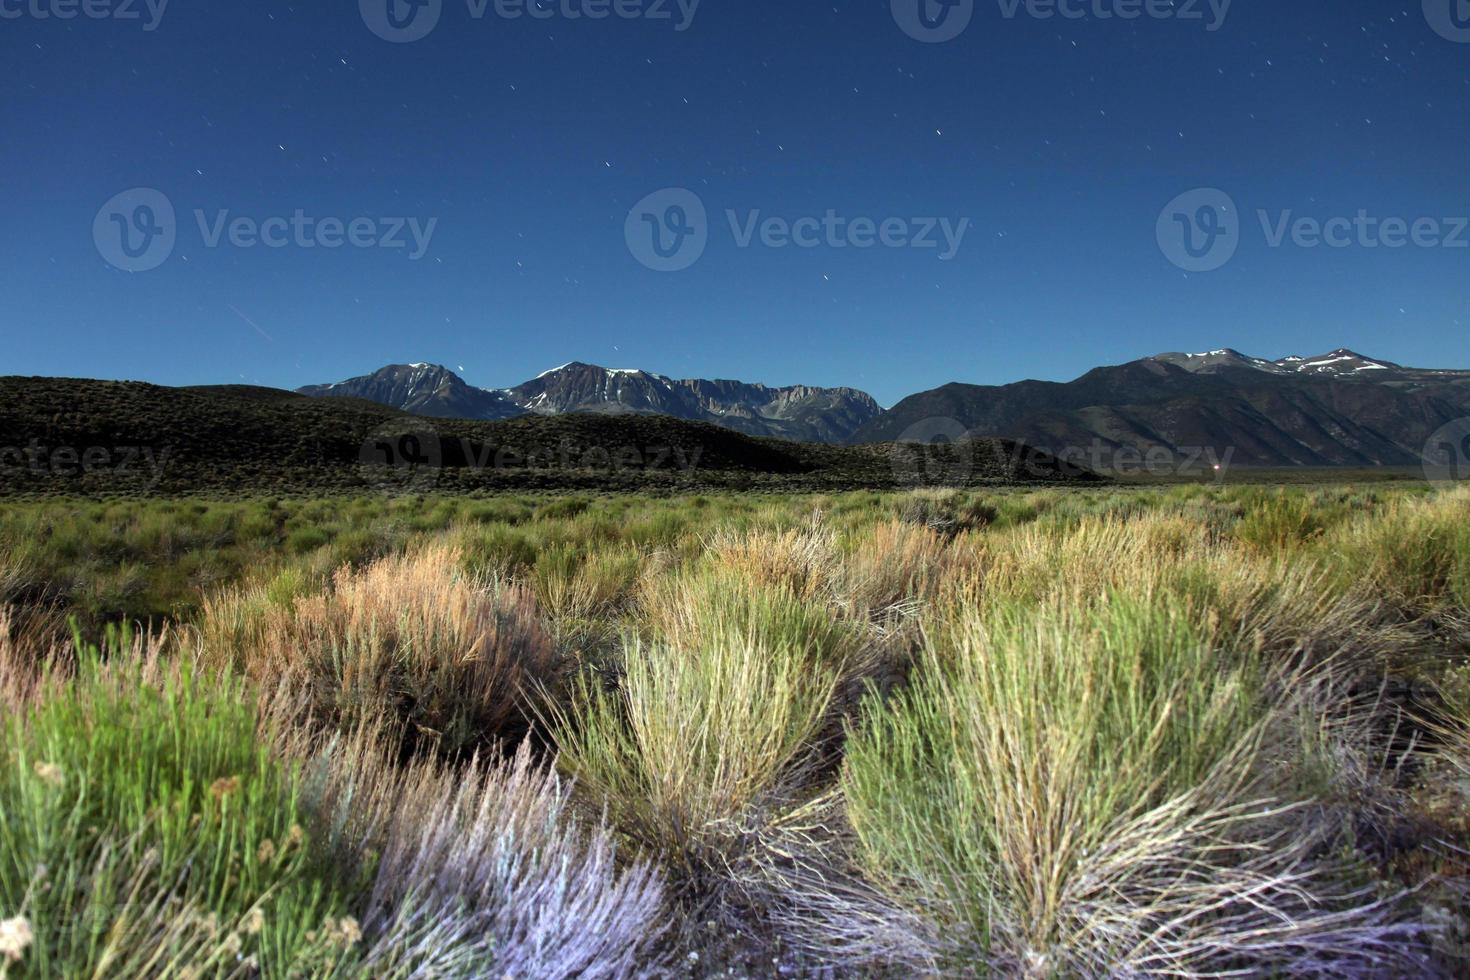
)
(528, 141)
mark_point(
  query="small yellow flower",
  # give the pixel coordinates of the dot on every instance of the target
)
(15, 936)
(295, 837)
(223, 787)
(344, 932)
(348, 931)
(49, 773)
(254, 922)
(265, 852)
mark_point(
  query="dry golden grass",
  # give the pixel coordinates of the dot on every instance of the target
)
(413, 636)
(1130, 733)
(800, 560)
(892, 571)
(30, 642)
(1414, 554)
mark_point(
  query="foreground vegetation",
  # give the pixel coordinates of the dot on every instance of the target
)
(1056, 733)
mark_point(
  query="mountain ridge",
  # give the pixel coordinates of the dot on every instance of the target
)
(1342, 408)
(105, 439)
(1337, 409)
(801, 413)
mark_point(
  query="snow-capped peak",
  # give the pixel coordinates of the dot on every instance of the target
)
(1339, 362)
(591, 367)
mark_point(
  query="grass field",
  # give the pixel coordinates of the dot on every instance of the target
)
(1126, 731)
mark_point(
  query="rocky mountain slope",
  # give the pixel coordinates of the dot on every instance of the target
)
(111, 439)
(799, 413)
(1338, 409)
(423, 389)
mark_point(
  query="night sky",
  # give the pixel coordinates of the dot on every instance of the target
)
(524, 144)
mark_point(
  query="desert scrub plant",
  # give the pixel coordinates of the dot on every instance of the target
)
(33, 654)
(482, 869)
(889, 571)
(1415, 553)
(698, 742)
(1067, 793)
(949, 513)
(799, 559)
(148, 832)
(1286, 519)
(498, 549)
(696, 606)
(414, 636)
(581, 596)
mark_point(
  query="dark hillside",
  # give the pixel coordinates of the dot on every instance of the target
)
(127, 438)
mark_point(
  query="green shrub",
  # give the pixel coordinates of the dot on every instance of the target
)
(701, 736)
(306, 539)
(1026, 742)
(148, 832)
(1416, 554)
(562, 508)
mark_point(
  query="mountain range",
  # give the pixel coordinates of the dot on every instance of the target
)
(799, 413)
(111, 439)
(1337, 409)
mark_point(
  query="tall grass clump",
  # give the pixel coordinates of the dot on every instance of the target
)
(891, 571)
(32, 655)
(880, 577)
(581, 595)
(800, 559)
(1415, 553)
(706, 731)
(148, 832)
(18, 570)
(1282, 520)
(699, 607)
(1068, 792)
(414, 636)
(481, 869)
(947, 513)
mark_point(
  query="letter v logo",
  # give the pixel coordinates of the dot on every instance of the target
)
(933, 21)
